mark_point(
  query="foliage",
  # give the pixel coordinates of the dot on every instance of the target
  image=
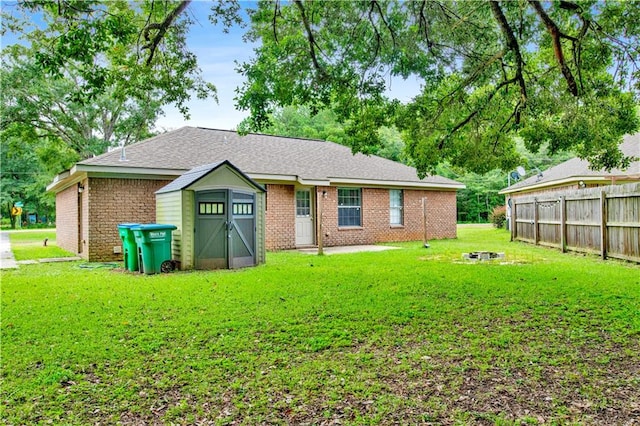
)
(300, 122)
(421, 338)
(77, 84)
(498, 216)
(26, 170)
(36, 107)
(562, 75)
(134, 51)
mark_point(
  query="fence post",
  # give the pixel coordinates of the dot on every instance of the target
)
(603, 224)
(513, 223)
(535, 221)
(563, 223)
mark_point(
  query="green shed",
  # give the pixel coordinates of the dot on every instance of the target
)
(219, 213)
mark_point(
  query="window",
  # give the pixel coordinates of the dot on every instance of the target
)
(243, 209)
(303, 203)
(349, 207)
(208, 208)
(395, 207)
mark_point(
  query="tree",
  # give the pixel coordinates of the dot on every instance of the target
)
(36, 107)
(93, 76)
(130, 52)
(562, 75)
(300, 122)
(26, 170)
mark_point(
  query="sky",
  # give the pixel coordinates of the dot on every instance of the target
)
(218, 55)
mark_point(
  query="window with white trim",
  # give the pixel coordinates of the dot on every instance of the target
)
(396, 201)
(349, 207)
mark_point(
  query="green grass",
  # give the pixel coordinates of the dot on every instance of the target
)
(411, 336)
(29, 245)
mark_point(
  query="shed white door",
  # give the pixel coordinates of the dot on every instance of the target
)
(304, 218)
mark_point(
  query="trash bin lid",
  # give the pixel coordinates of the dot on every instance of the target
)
(127, 225)
(153, 227)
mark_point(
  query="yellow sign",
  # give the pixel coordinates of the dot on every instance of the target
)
(16, 211)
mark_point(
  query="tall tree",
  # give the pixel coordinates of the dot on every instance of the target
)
(86, 76)
(562, 75)
(300, 122)
(35, 106)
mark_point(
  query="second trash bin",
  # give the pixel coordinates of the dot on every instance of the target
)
(154, 247)
(129, 246)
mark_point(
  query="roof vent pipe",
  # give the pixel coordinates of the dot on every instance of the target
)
(123, 154)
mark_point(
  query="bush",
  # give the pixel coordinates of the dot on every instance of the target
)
(498, 216)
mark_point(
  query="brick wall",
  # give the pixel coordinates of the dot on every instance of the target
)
(108, 202)
(441, 217)
(114, 201)
(67, 219)
(441, 222)
(280, 217)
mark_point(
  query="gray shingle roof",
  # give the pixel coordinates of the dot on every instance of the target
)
(255, 154)
(578, 169)
(195, 174)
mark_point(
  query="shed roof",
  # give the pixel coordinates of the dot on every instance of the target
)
(192, 176)
(576, 169)
(259, 156)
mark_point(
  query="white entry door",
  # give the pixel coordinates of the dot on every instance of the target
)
(304, 218)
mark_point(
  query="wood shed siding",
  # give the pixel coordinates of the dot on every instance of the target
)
(260, 229)
(188, 227)
(169, 211)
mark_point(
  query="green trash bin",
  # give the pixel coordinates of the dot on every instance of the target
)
(154, 247)
(129, 246)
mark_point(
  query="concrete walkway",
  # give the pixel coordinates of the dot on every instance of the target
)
(7, 261)
(347, 249)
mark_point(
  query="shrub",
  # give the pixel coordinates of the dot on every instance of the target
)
(498, 216)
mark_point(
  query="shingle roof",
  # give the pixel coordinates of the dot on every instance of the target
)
(256, 154)
(578, 169)
(195, 174)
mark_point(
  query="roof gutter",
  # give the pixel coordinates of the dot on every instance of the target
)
(399, 183)
(565, 181)
(79, 171)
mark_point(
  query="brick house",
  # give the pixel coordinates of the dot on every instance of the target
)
(576, 174)
(363, 199)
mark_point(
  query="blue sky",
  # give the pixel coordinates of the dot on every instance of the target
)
(217, 54)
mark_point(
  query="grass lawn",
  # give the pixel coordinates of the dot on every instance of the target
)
(410, 336)
(29, 245)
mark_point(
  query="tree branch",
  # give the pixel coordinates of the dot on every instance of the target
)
(162, 28)
(310, 37)
(513, 45)
(556, 35)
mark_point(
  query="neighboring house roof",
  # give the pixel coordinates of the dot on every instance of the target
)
(576, 170)
(261, 157)
(194, 175)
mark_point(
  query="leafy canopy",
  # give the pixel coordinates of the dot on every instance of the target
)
(562, 75)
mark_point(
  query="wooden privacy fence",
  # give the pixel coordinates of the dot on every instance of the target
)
(603, 220)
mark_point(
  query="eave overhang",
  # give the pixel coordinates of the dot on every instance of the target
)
(81, 171)
(569, 181)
